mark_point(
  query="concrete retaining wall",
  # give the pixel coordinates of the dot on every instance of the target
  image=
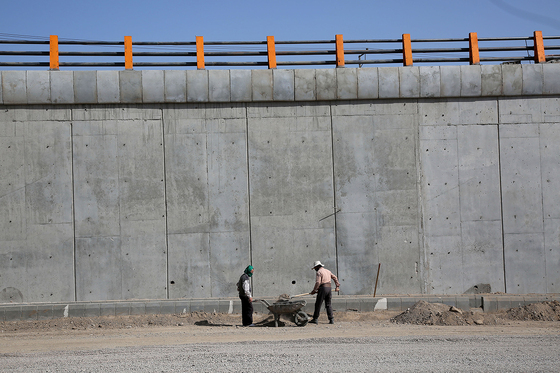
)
(166, 184)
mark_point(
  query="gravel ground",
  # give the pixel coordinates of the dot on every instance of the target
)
(467, 353)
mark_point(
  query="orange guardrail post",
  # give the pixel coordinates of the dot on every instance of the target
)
(128, 52)
(539, 47)
(407, 50)
(339, 50)
(271, 49)
(474, 57)
(200, 53)
(54, 52)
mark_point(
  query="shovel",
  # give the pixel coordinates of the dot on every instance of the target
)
(299, 295)
(285, 297)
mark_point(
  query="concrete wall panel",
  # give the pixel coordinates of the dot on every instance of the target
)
(229, 256)
(389, 82)
(304, 85)
(399, 255)
(189, 266)
(430, 81)
(175, 82)
(479, 173)
(522, 195)
(368, 83)
(283, 85)
(440, 185)
(14, 87)
(525, 267)
(492, 80)
(347, 84)
(108, 89)
(153, 88)
(219, 86)
(98, 268)
(130, 86)
(512, 76)
(443, 255)
(38, 87)
(409, 81)
(278, 242)
(549, 140)
(290, 168)
(263, 85)
(357, 251)
(144, 259)
(85, 87)
(62, 87)
(552, 254)
(96, 186)
(375, 184)
(48, 156)
(482, 259)
(326, 84)
(197, 86)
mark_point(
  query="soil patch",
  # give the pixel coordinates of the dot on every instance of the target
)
(424, 313)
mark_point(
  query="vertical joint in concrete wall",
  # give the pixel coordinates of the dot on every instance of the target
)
(128, 52)
(200, 53)
(54, 65)
(339, 50)
(407, 50)
(538, 45)
(271, 50)
(474, 57)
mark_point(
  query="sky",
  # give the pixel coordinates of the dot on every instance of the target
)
(251, 20)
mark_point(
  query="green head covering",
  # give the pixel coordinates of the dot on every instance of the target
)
(248, 271)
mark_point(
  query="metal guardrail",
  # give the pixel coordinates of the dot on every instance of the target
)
(271, 54)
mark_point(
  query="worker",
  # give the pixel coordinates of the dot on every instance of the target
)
(323, 290)
(244, 289)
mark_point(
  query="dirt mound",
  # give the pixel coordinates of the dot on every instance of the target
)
(546, 311)
(424, 313)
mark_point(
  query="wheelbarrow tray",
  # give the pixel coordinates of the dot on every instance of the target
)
(287, 307)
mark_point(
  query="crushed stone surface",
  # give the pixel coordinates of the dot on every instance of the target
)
(428, 337)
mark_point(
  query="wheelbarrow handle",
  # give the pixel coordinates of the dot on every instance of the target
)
(263, 301)
(300, 295)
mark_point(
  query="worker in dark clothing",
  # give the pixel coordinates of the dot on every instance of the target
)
(244, 288)
(323, 290)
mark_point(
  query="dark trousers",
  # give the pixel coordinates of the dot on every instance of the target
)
(324, 294)
(246, 311)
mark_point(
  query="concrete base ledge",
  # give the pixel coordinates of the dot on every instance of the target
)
(281, 85)
(43, 311)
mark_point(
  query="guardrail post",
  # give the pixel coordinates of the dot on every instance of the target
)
(474, 57)
(339, 51)
(538, 45)
(54, 65)
(128, 52)
(271, 49)
(407, 50)
(200, 53)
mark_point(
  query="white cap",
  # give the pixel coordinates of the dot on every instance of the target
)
(317, 263)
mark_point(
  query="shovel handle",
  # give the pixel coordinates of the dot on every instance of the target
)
(299, 295)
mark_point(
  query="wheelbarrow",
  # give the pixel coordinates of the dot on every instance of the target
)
(290, 308)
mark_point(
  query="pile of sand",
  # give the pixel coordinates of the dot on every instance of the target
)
(424, 313)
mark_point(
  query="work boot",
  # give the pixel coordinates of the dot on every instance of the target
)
(331, 321)
(314, 321)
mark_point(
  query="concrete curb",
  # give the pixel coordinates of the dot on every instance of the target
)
(279, 85)
(44, 311)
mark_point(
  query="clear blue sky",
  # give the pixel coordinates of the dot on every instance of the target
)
(251, 20)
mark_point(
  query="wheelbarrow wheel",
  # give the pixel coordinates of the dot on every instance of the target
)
(301, 318)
